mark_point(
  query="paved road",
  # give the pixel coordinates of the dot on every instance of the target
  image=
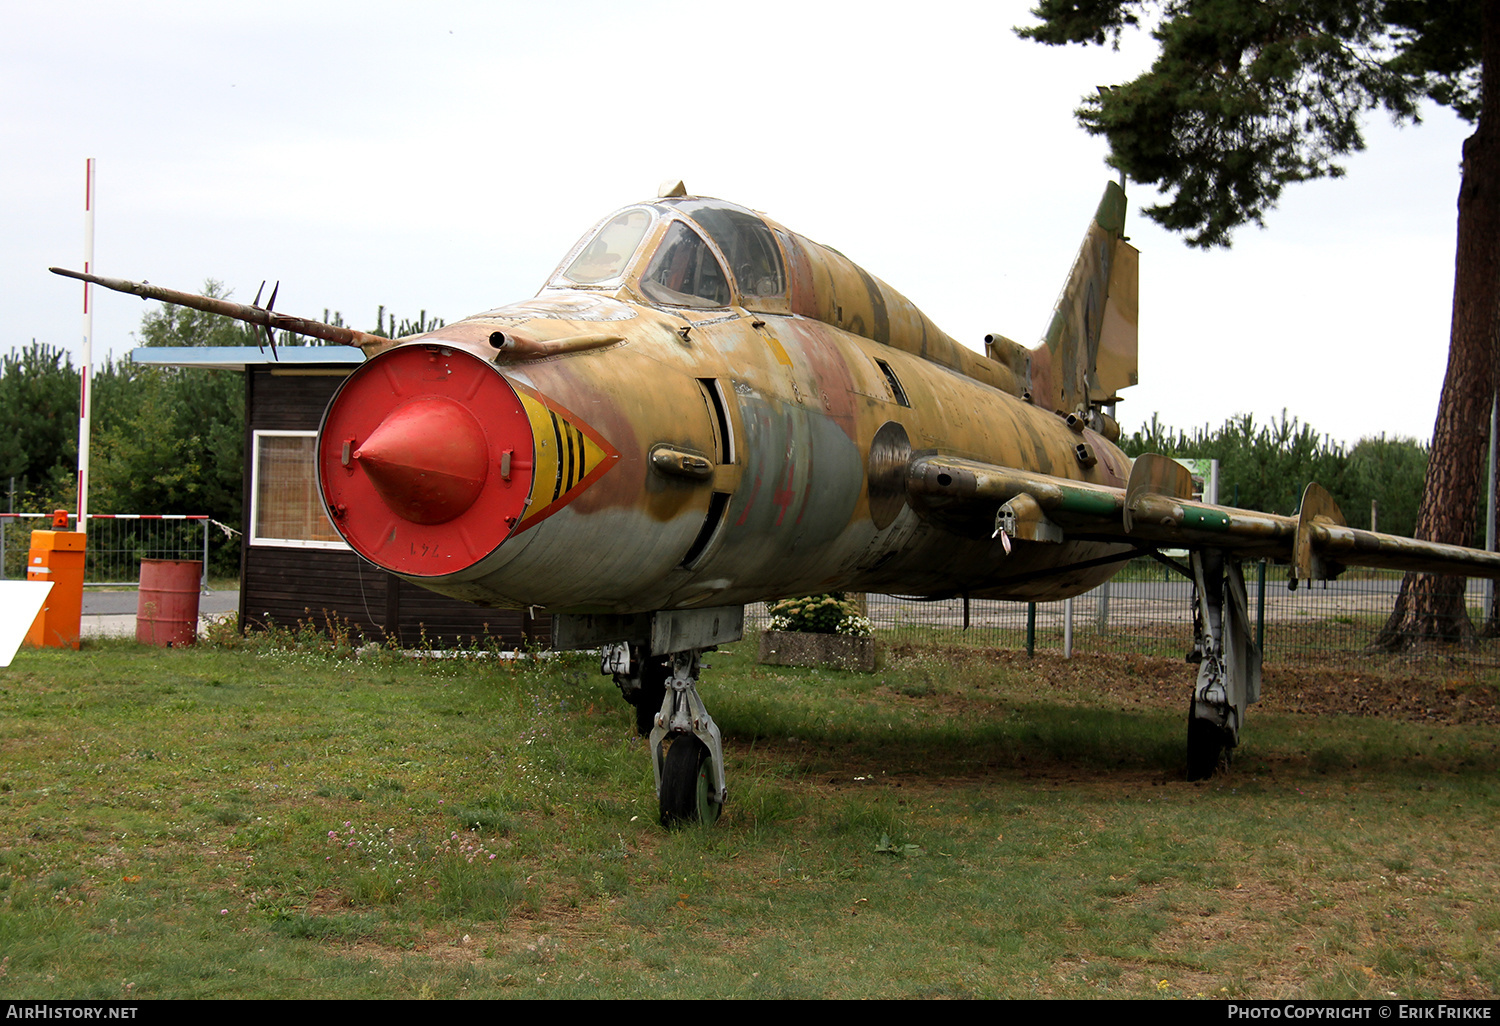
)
(112, 613)
(120, 603)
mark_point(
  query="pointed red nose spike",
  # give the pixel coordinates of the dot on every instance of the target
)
(427, 459)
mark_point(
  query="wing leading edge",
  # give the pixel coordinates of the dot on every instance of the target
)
(1156, 509)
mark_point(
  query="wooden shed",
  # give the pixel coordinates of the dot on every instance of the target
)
(293, 565)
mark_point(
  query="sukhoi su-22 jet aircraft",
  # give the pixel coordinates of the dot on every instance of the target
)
(702, 409)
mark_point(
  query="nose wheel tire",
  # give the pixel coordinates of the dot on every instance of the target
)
(687, 784)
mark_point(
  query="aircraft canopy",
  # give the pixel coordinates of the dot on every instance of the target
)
(693, 252)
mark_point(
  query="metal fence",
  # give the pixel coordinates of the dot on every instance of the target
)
(1141, 612)
(116, 545)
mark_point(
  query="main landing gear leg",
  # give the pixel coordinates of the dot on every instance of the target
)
(1228, 663)
(641, 678)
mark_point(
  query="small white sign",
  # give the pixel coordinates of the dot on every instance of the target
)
(20, 601)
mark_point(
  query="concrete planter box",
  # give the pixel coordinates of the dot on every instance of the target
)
(833, 651)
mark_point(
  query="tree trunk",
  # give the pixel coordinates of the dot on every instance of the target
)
(1432, 608)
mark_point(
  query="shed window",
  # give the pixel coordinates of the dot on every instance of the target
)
(285, 508)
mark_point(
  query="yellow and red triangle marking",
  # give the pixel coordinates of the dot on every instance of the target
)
(569, 456)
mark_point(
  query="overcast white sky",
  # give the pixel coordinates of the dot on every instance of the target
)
(443, 157)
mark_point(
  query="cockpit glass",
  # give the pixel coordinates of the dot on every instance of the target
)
(606, 255)
(746, 243)
(685, 272)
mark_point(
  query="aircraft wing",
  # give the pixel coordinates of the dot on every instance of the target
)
(1155, 509)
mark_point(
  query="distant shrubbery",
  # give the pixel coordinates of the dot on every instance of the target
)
(1266, 467)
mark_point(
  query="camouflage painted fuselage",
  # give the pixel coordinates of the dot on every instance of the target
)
(725, 448)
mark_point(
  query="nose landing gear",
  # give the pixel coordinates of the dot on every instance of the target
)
(653, 658)
(687, 753)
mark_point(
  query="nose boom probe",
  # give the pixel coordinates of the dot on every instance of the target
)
(261, 316)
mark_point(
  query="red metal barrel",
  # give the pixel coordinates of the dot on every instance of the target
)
(167, 609)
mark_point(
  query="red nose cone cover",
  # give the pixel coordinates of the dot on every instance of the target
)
(425, 460)
(428, 460)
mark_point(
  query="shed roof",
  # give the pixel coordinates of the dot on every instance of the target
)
(237, 358)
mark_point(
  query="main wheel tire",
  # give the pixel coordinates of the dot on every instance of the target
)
(687, 784)
(1208, 748)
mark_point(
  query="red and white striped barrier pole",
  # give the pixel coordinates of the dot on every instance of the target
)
(119, 516)
(86, 371)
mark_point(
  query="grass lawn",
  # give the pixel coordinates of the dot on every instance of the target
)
(280, 818)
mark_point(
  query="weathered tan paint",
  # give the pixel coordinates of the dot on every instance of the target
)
(805, 395)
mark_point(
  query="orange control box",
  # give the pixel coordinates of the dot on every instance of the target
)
(57, 556)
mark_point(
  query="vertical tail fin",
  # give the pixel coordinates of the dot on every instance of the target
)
(1089, 350)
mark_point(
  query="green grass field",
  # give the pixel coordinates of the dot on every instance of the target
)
(286, 820)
